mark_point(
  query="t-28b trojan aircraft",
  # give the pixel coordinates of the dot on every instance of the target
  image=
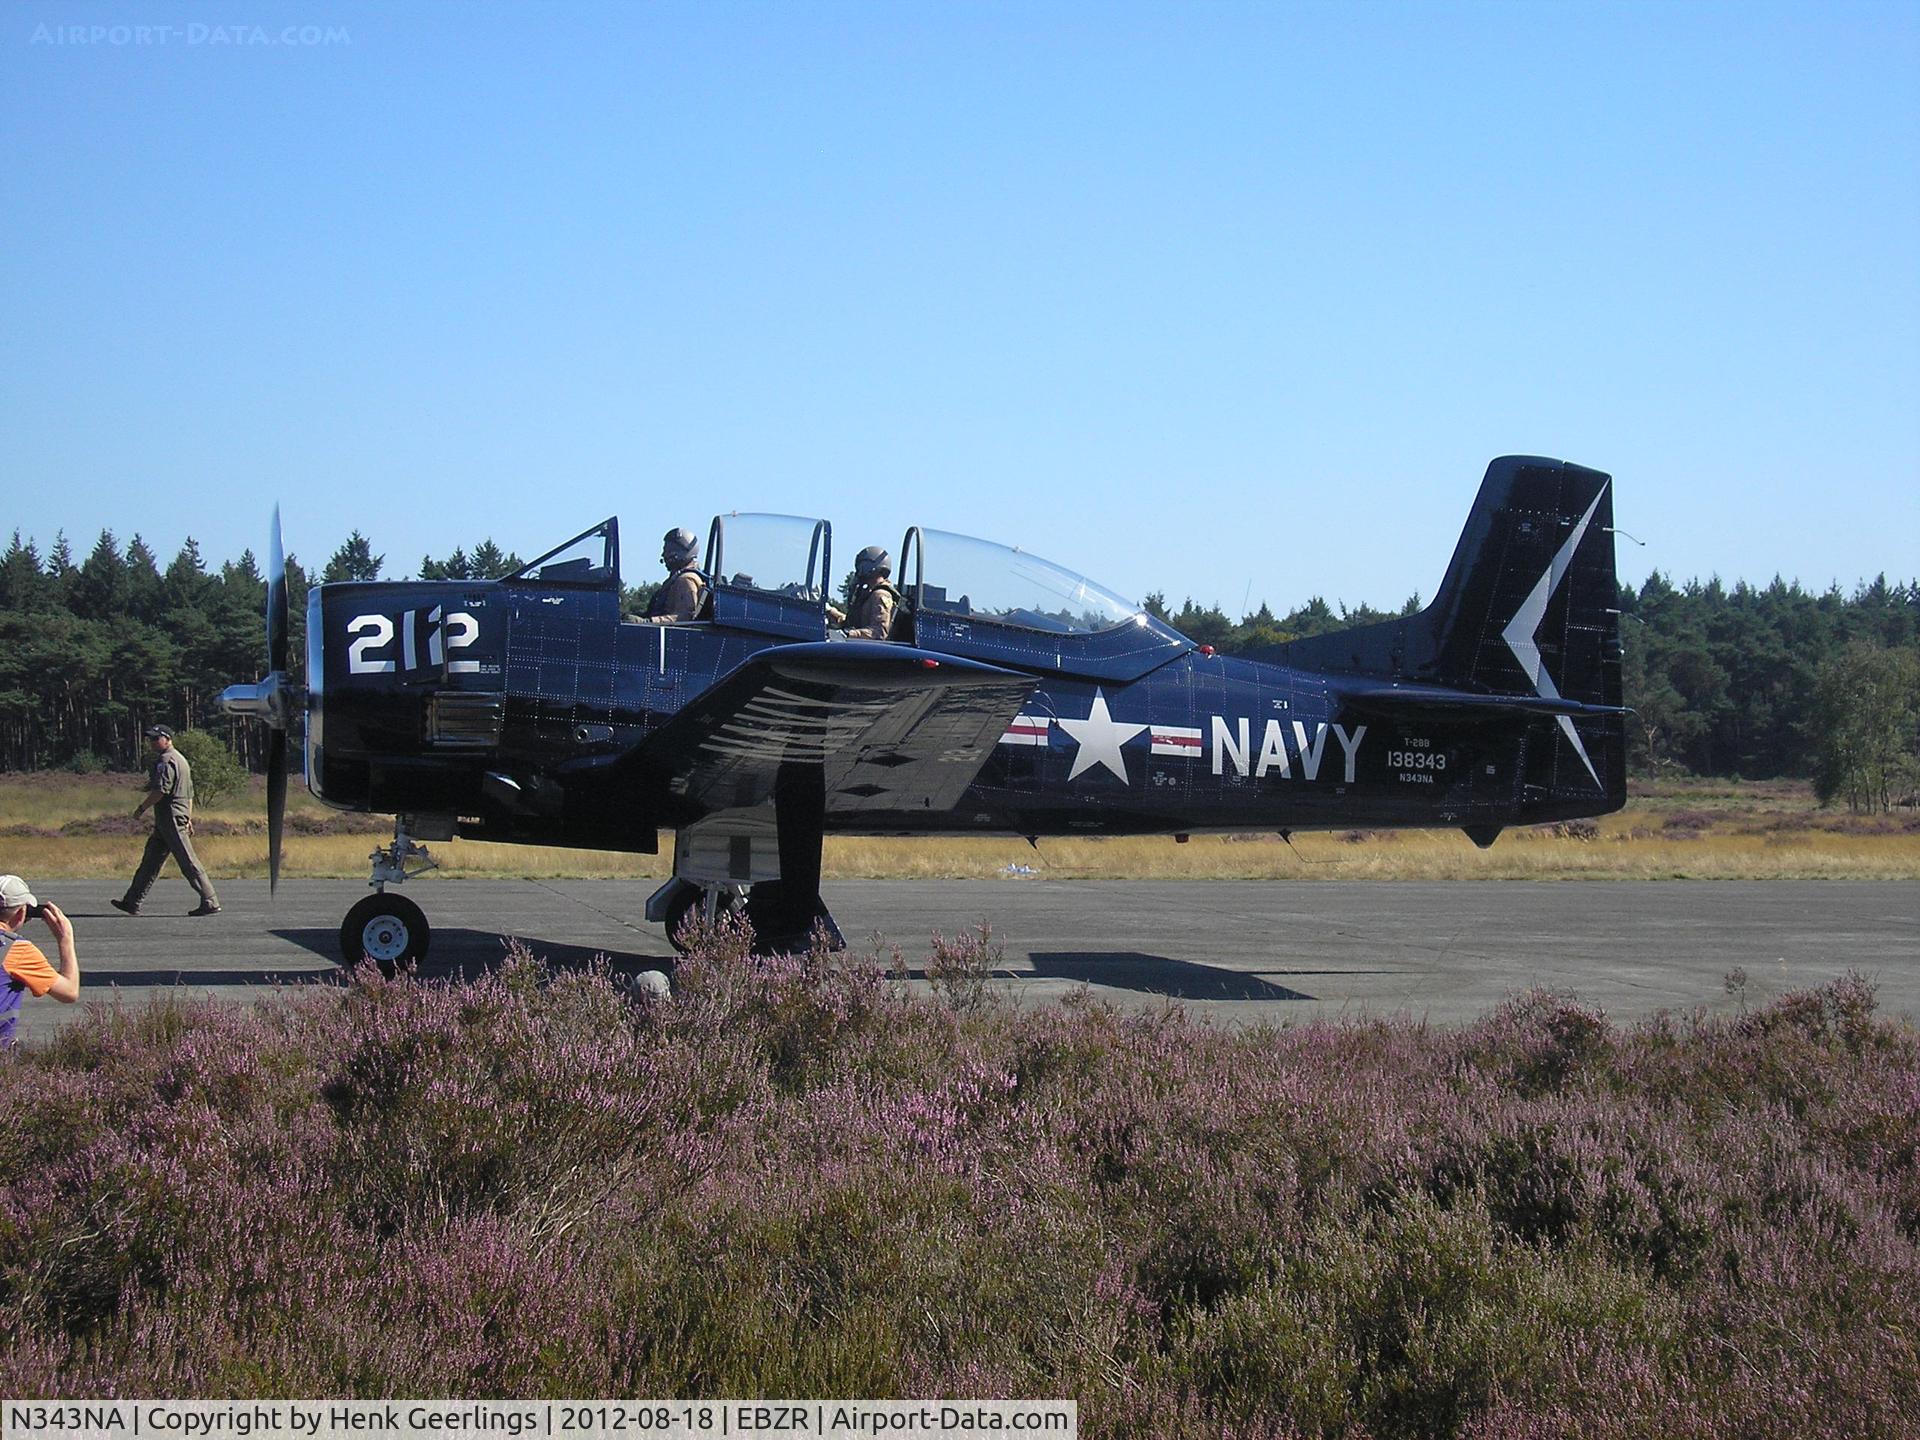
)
(1013, 697)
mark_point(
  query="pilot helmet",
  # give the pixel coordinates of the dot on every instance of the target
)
(872, 561)
(679, 548)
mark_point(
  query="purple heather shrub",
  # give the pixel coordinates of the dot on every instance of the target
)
(797, 1177)
(960, 968)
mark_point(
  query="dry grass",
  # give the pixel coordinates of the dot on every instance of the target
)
(1711, 830)
(1402, 855)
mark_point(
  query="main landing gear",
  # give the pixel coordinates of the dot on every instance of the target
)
(741, 864)
(390, 930)
(780, 925)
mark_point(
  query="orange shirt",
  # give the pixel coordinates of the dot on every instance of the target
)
(26, 964)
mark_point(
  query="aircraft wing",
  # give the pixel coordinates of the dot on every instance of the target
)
(889, 727)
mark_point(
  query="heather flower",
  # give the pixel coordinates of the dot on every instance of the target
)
(798, 1177)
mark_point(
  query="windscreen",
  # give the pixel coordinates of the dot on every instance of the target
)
(589, 558)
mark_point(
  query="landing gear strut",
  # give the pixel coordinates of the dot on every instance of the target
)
(735, 865)
(778, 925)
(390, 930)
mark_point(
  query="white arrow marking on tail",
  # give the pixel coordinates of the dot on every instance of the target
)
(1523, 630)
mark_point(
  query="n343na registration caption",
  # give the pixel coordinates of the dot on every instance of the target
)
(533, 1419)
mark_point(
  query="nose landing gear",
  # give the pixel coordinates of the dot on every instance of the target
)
(390, 930)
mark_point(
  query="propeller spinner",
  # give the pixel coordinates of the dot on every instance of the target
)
(274, 701)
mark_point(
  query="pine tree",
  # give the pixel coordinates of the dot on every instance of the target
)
(489, 563)
(354, 560)
(186, 583)
(144, 595)
(100, 588)
(22, 585)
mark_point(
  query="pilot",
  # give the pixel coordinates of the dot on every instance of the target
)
(683, 591)
(869, 612)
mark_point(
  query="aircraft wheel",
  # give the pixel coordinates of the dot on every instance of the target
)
(685, 903)
(780, 925)
(389, 930)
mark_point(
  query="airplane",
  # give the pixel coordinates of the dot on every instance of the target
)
(1013, 697)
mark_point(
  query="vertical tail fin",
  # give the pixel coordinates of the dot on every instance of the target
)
(1529, 602)
(1528, 608)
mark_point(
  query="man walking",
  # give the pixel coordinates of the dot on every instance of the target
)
(170, 797)
(22, 966)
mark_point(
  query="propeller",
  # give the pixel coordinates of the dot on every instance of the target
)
(276, 600)
(273, 701)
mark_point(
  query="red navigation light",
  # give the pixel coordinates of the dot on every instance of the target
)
(929, 664)
(1206, 649)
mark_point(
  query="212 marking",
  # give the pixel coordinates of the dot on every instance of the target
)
(375, 633)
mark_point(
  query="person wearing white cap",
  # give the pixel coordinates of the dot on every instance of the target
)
(26, 968)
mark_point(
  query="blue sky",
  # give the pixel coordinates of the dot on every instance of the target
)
(1231, 301)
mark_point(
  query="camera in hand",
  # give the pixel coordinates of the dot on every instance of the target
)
(34, 912)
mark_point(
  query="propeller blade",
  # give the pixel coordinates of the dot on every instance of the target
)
(276, 803)
(277, 622)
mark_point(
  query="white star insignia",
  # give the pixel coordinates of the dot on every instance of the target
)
(1100, 737)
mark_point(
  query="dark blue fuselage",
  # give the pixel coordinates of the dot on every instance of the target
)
(521, 711)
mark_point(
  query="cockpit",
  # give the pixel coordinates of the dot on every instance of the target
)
(775, 574)
(964, 577)
(590, 559)
(769, 573)
(999, 603)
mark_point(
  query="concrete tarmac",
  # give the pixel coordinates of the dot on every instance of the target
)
(1239, 950)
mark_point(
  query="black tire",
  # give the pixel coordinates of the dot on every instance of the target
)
(389, 930)
(684, 903)
(780, 925)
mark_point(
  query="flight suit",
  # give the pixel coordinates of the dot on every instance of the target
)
(870, 611)
(172, 832)
(678, 599)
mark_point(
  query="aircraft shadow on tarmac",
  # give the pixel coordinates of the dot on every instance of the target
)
(1157, 975)
(470, 952)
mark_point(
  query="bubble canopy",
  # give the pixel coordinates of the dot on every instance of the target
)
(963, 575)
(785, 555)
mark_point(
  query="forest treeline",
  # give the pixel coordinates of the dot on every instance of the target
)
(1760, 682)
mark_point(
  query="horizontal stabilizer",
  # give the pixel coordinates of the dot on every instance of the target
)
(1466, 704)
